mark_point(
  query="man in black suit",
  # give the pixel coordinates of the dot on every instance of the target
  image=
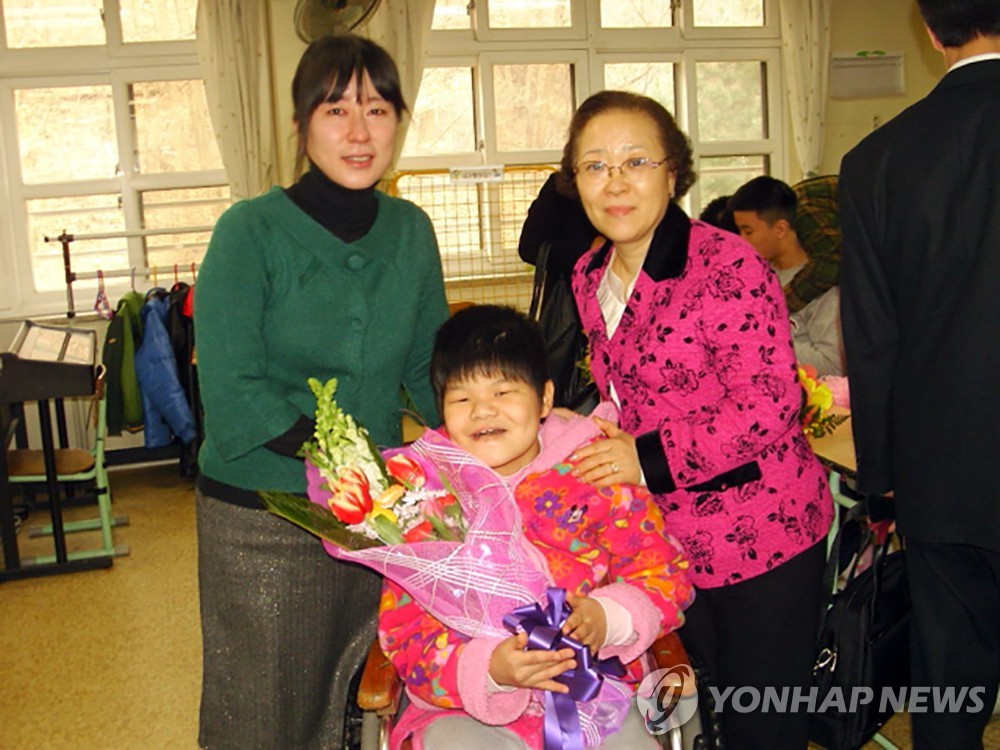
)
(920, 215)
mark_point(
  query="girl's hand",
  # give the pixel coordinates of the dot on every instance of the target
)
(611, 461)
(587, 622)
(511, 665)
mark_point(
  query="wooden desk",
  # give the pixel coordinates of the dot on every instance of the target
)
(836, 452)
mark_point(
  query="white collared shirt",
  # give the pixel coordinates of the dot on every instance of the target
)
(613, 296)
(975, 59)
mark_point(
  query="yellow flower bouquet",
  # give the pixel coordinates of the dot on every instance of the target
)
(817, 398)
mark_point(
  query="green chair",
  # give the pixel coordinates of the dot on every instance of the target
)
(76, 465)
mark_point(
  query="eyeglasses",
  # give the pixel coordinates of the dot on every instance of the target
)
(633, 170)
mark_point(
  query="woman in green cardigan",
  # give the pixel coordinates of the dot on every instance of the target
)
(327, 278)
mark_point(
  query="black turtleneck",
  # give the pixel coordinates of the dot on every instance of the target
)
(346, 214)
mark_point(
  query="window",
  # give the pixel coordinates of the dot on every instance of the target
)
(114, 148)
(503, 78)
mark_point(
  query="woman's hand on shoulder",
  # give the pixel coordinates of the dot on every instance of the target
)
(514, 666)
(613, 460)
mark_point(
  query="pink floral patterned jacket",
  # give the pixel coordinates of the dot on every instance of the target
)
(703, 365)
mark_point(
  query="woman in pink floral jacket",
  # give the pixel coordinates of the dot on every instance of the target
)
(689, 334)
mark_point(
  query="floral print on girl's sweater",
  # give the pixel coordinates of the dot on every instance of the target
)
(703, 365)
(587, 537)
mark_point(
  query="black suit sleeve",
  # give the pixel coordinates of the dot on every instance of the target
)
(871, 330)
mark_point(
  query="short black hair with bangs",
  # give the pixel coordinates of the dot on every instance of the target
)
(325, 70)
(488, 340)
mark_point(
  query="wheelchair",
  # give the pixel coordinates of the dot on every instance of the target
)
(380, 692)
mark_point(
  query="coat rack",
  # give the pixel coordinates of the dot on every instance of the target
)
(66, 240)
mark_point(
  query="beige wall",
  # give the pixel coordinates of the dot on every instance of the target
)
(890, 25)
(287, 50)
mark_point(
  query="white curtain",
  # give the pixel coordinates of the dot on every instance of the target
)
(234, 53)
(403, 28)
(805, 44)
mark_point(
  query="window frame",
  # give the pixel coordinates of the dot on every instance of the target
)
(682, 44)
(772, 146)
(115, 64)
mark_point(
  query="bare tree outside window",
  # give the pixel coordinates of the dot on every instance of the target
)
(636, 14)
(529, 14)
(157, 20)
(451, 15)
(444, 121)
(655, 80)
(730, 13)
(53, 23)
(533, 106)
(731, 100)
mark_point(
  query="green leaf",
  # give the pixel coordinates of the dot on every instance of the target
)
(440, 530)
(387, 531)
(315, 519)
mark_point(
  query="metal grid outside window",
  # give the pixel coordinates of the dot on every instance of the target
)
(478, 225)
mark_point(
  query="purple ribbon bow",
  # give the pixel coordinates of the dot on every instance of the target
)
(562, 719)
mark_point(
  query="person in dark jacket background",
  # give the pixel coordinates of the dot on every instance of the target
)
(920, 215)
(556, 232)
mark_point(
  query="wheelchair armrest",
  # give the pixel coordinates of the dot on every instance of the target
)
(668, 652)
(380, 686)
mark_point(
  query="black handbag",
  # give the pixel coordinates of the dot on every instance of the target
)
(553, 306)
(863, 641)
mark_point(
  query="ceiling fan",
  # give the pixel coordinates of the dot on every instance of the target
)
(316, 18)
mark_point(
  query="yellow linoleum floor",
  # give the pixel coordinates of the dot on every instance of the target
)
(108, 659)
(111, 659)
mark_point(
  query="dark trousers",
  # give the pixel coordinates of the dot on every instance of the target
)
(954, 637)
(760, 633)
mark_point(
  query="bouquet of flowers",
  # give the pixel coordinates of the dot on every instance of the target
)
(817, 398)
(384, 500)
(405, 515)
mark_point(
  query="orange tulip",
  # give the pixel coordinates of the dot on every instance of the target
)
(352, 499)
(405, 470)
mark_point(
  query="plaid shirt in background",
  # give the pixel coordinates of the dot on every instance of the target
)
(817, 222)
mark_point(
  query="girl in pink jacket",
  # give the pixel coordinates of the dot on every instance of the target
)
(624, 576)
